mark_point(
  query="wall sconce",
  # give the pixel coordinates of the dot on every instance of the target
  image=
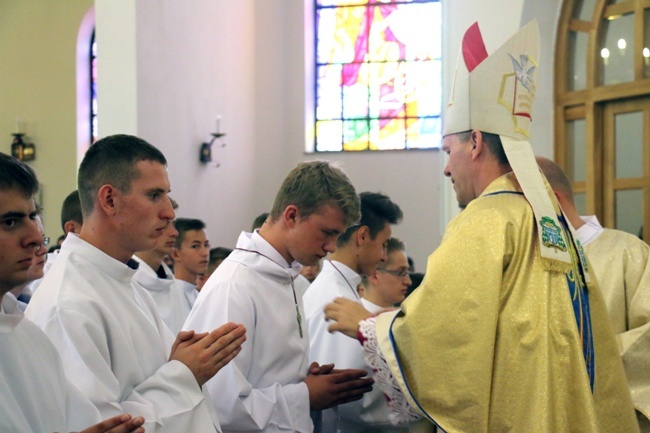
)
(205, 155)
(19, 148)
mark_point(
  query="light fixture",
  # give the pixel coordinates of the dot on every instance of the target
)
(646, 52)
(20, 149)
(622, 44)
(604, 53)
(205, 155)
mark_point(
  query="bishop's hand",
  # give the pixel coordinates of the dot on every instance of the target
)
(346, 314)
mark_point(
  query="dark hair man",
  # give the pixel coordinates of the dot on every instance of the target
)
(114, 344)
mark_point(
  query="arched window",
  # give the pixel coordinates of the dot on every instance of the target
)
(94, 136)
(86, 84)
(377, 75)
(602, 109)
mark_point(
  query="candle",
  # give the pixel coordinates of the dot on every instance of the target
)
(218, 122)
(17, 125)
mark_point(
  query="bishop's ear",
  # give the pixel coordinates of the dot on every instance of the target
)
(477, 142)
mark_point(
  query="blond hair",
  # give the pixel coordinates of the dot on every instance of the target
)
(313, 184)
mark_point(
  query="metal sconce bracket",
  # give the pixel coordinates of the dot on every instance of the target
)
(206, 148)
(21, 150)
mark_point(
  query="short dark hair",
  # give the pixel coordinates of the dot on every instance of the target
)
(494, 144)
(17, 176)
(112, 160)
(313, 184)
(377, 210)
(219, 253)
(259, 221)
(411, 263)
(392, 245)
(71, 209)
(184, 225)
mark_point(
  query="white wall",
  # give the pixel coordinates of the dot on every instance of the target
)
(117, 67)
(249, 67)
(182, 85)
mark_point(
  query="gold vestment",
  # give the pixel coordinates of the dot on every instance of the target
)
(621, 264)
(489, 341)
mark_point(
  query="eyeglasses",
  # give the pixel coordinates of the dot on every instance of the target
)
(400, 274)
(44, 244)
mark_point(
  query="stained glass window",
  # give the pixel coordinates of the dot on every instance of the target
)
(378, 75)
(93, 90)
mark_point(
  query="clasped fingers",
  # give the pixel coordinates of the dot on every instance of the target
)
(212, 352)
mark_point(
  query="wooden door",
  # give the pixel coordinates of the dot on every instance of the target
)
(626, 165)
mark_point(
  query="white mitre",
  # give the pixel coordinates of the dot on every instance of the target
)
(495, 94)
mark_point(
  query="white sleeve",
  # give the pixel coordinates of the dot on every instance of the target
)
(168, 399)
(240, 404)
(401, 411)
(80, 412)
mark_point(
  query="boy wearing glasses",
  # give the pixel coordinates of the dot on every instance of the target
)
(358, 252)
(387, 287)
(36, 397)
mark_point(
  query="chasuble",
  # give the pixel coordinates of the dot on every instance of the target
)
(492, 341)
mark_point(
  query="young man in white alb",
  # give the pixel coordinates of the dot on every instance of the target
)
(36, 396)
(114, 344)
(155, 276)
(270, 386)
(358, 252)
(191, 255)
(387, 287)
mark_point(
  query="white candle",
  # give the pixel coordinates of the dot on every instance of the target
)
(218, 122)
(17, 125)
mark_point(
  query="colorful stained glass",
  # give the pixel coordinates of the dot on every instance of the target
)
(378, 74)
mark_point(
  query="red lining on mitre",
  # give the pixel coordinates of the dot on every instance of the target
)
(474, 51)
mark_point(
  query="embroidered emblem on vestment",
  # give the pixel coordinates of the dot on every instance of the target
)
(552, 234)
